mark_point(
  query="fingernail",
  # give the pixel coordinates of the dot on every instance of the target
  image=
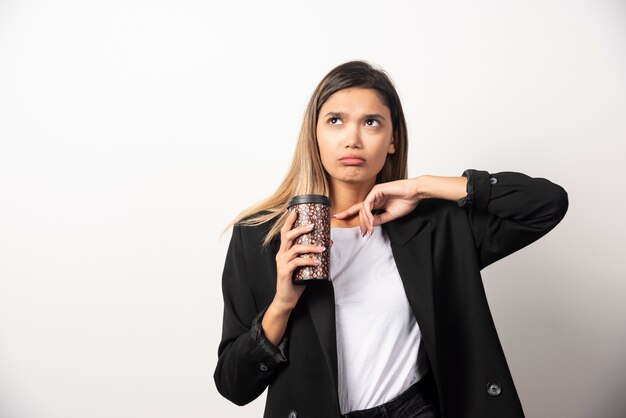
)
(321, 248)
(309, 226)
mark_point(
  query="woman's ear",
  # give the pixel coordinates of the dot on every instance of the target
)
(392, 146)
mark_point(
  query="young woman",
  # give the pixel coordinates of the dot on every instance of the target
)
(403, 328)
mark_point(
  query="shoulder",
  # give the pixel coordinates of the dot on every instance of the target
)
(251, 236)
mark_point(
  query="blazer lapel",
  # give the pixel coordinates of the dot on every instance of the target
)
(411, 246)
(320, 301)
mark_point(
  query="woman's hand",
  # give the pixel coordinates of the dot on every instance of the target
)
(287, 260)
(396, 198)
(274, 321)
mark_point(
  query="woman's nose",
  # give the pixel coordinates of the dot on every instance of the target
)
(353, 137)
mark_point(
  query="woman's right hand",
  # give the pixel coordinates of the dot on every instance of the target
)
(287, 294)
(287, 260)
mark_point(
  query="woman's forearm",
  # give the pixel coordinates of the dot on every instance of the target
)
(275, 321)
(442, 187)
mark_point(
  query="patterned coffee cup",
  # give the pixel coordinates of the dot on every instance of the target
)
(312, 209)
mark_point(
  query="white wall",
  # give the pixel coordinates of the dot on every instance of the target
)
(132, 131)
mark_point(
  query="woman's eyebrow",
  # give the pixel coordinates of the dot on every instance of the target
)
(368, 116)
(334, 114)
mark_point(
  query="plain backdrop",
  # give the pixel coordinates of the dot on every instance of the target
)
(132, 132)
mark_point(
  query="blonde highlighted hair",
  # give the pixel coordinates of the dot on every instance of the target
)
(306, 173)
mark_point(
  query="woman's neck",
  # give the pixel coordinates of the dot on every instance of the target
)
(345, 195)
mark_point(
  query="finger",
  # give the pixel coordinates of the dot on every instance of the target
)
(305, 249)
(351, 211)
(303, 261)
(363, 222)
(366, 214)
(383, 218)
(366, 220)
(296, 232)
(367, 211)
(298, 251)
(373, 201)
(287, 225)
(291, 218)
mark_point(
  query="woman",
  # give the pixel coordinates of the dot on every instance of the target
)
(403, 328)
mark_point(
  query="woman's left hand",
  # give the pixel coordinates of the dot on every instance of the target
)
(396, 198)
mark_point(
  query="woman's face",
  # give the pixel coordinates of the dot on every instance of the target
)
(355, 123)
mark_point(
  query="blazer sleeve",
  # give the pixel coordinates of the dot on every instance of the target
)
(508, 211)
(247, 360)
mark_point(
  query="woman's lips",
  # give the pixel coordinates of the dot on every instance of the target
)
(351, 161)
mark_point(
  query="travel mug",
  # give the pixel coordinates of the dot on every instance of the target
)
(312, 209)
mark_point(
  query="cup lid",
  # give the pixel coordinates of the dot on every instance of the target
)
(308, 198)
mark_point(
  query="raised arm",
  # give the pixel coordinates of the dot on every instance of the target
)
(506, 210)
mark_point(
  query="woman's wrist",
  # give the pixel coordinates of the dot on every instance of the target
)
(280, 306)
(421, 187)
(274, 322)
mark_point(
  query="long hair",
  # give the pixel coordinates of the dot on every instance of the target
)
(306, 173)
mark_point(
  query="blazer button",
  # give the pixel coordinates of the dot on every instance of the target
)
(493, 180)
(494, 388)
(293, 414)
(263, 367)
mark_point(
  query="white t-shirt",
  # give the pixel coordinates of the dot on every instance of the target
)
(377, 335)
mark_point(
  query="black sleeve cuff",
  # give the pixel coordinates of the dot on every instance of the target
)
(263, 352)
(478, 189)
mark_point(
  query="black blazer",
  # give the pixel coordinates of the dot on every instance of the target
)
(439, 250)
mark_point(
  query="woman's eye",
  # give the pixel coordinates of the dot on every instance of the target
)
(334, 121)
(372, 122)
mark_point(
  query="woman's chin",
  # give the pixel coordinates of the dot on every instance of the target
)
(357, 178)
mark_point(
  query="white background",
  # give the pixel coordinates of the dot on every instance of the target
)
(132, 131)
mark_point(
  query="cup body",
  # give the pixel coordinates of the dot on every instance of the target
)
(312, 209)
